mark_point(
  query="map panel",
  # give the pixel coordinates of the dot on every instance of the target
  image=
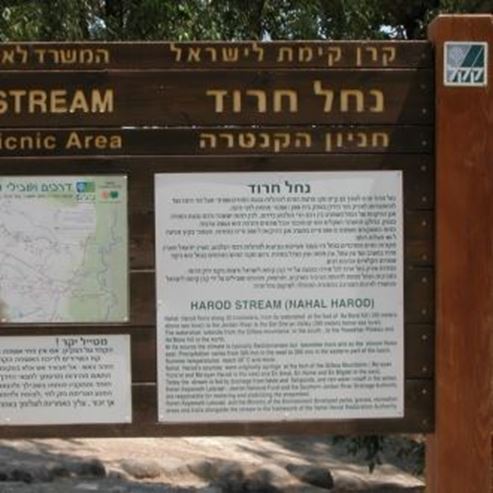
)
(63, 249)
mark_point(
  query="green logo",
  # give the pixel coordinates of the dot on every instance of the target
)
(86, 187)
(466, 64)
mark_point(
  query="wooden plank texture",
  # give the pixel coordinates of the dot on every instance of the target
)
(418, 170)
(76, 108)
(459, 453)
(418, 418)
(249, 54)
(419, 238)
(418, 304)
(218, 97)
(216, 140)
(419, 345)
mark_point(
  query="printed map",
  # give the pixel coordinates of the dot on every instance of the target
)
(63, 249)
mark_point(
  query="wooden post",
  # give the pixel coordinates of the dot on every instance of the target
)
(459, 452)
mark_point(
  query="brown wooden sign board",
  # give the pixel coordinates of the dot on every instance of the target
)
(138, 109)
(197, 55)
(203, 141)
(216, 97)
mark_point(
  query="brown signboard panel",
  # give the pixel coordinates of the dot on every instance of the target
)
(141, 109)
(216, 97)
(418, 170)
(333, 139)
(418, 226)
(419, 304)
(303, 54)
(419, 409)
(418, 353)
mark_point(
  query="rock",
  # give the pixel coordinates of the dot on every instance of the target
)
(87, 486)
(203, 469)
(314, 475)
(92, 468)
(218, 470)
(42, 474)
(229, 471)
(26, 474)
(20, 475)
(233, 477)
(142, 469)
(174, 469)
(59, 471)
(393, 489)
(230, 477)
(252, 485)
(211, 489)
(260, 481)
(115, 475)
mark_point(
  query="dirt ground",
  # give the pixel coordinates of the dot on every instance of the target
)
(205, 465)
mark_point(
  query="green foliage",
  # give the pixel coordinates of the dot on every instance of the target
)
(371, 445)
(183, 20)
(407, 452)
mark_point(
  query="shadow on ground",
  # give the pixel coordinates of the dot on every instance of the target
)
(204, 465)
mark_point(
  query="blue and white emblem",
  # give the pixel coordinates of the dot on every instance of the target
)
(466, 64)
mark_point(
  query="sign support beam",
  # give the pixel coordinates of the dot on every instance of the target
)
(459, 452)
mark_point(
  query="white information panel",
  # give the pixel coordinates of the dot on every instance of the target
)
(63, 249)
(55, 380)
(280, 296)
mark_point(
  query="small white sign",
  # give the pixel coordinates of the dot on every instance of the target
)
(69, 379)
(280, 296)
(465, 64)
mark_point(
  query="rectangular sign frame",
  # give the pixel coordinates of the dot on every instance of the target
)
(194, 215)
(203, 132)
